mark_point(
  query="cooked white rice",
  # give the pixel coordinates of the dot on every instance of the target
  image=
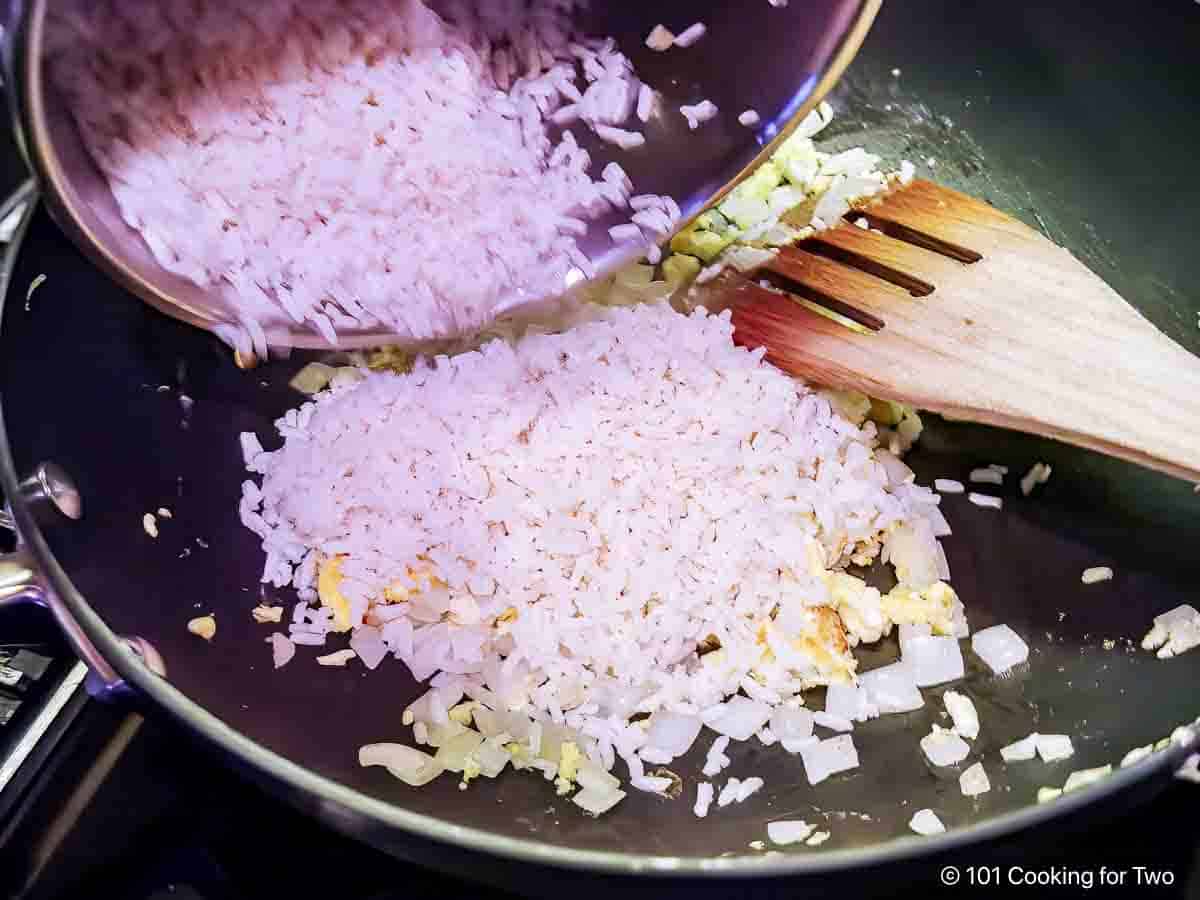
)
(645, 102)
(987, 501)
(359, 164)
(1095, 574)
(574, 520)
(699, 113)
(660, 38)
(691, 34)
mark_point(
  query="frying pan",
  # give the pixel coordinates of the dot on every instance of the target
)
(91, 378)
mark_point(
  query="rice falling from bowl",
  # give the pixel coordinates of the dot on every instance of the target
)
(632, 517)
(392, 166)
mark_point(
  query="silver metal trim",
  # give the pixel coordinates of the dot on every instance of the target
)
(49, 486)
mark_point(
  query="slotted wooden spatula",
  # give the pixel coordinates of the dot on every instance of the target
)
(950, 305)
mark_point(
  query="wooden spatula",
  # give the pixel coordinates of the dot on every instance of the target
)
(952, 306)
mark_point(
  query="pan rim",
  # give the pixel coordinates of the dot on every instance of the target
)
(366, 812)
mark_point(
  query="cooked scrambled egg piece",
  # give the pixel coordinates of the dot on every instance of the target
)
(471, 769)
(826, 644)
(203, 626)
(851, 405)
(933, 605)
(823, 643)
(263, 614)
(421, 578)
(860, 607)
(329, 579)
(519, 751)
(568, 767)
(462, 714)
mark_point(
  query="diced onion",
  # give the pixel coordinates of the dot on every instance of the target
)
(829, 757)
(597, 801)
(1021, 750)
(793, 832)
(368, 644)
(492, 759)
(832, 722)
(1083, 777)
(925, 822)
(974, 781)
(592, 777)
(673, 733)
(943, 747)
(962, 711)
(1053, 747)
(438, 735)
(933, 659)
(410, 765)
(789, 724)
(1046, 794)
(740, 718)
(849, 702)
(1000, 647)
(452, 755)
(282, 649)
(892, 689)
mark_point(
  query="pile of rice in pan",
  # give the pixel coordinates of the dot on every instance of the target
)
(367, 164)
(595, 543)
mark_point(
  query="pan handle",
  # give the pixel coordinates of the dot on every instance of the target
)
(49, 493)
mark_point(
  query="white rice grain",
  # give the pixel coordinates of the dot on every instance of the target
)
(645, 103)
(948, 486)
(729, 793)
(699, 113)
(336, 658)
(691, 34)
(660, 38)
(748, 787)
(1039, 473)
(986, 476)
(626, 140)
(987, 501)
(623, 233)
(1096, 574)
